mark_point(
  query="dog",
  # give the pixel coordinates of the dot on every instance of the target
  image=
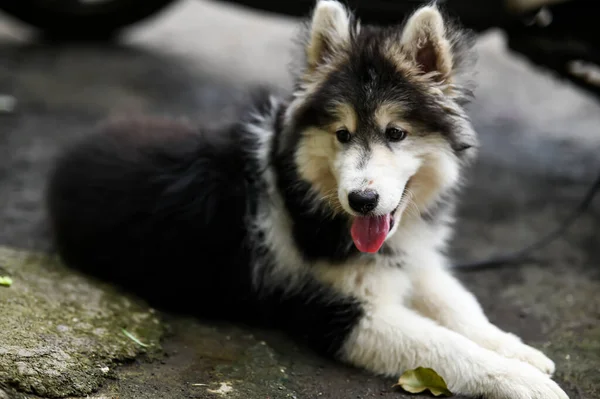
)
(324, 212)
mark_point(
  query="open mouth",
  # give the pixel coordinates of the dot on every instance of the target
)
(369, 232)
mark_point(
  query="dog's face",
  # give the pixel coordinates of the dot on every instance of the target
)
(381, 131)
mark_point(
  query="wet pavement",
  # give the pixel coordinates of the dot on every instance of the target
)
(540, 145)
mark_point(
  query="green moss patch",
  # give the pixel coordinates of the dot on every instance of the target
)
(62, 332)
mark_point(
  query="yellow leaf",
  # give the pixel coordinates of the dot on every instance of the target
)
(5, 281)
(422, 379)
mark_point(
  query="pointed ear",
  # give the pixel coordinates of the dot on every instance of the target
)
(424, 39)
(329, 32)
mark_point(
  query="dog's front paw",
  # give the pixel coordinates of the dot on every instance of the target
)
(521, 381)
(510, 346)
(528, 354)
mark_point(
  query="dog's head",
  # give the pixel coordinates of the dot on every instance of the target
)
(377, 119)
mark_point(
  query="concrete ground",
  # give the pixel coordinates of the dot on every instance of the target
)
(64, 335)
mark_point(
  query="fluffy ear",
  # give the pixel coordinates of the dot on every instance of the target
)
(329, 31)
(424, 39)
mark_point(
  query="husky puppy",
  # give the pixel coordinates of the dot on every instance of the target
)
(324, 213)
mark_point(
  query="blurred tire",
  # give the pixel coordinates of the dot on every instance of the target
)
(82, 19)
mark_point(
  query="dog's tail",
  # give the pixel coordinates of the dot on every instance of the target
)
(137, 201)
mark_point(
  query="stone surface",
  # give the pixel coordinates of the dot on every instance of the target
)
(540, 140)
(62, 334)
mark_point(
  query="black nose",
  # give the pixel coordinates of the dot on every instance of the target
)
(363, 201)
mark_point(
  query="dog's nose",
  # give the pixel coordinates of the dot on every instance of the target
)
(363, 201)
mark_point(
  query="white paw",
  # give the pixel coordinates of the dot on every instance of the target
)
(522, 381)
(529, 355)
(510, 346)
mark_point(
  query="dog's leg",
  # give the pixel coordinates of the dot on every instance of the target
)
(440, 296)
(391, 339)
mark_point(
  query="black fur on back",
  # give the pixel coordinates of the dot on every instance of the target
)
(158, 207)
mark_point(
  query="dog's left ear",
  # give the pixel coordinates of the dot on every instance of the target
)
(425, 42)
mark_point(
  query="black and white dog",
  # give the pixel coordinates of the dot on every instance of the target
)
(325, 213)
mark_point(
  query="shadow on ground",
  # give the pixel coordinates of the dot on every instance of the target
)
(540, 144)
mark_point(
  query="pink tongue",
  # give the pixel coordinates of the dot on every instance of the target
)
(369, 232)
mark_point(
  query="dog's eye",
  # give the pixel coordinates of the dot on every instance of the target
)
(395, 134)
(343, 135)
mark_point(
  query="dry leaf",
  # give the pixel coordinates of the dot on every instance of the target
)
(422, 379)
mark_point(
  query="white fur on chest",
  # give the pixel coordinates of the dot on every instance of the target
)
(375, 282)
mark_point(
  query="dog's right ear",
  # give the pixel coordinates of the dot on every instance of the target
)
(329, 32)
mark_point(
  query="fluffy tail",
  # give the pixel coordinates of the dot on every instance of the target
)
(153, 205)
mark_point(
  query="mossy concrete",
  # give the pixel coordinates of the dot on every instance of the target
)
(206, 361)
(62, 333)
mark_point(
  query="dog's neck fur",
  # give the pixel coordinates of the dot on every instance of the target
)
(321, 233)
